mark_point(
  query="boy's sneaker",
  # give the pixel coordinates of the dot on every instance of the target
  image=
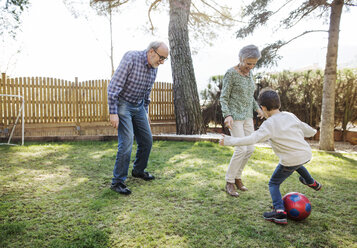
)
(278, 217)
(316, 185)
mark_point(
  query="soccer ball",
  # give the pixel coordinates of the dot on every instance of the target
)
(297, 206)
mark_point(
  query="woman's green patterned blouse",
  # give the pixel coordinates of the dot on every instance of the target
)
(237, 95)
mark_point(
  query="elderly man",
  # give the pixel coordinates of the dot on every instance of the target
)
(128, 99)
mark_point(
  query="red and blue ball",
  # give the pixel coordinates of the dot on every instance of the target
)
(297, 206)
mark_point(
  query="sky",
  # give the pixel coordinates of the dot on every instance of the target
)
(53, 43)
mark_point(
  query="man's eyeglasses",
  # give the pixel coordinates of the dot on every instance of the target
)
(161, 58)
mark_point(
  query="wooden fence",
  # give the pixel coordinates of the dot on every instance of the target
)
(49, 100)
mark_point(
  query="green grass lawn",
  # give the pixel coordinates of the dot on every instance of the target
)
(57, 195)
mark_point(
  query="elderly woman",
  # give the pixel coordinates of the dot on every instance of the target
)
(238, 104)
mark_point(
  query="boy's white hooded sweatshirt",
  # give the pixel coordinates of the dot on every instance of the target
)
(285, 133)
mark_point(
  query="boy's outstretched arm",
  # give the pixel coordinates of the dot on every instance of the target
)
(260, 135)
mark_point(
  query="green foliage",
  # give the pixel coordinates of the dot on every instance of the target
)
(57, 195)
(106, 7)
(300, 93)
(205, 18)
(10, 17)
(270, 55)
(259, 13)
(346, 95)
(211, 109)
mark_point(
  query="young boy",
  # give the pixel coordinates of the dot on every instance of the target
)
(285, 133)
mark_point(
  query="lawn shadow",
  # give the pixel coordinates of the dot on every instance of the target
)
(343, 156)
(186, 206)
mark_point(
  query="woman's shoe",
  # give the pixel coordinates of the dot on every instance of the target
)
(231, 190)
(240, 185)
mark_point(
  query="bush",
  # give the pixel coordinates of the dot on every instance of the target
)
(300, 93)
(211, 108)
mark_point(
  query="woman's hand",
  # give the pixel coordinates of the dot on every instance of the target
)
(221, 140)
(228, 122)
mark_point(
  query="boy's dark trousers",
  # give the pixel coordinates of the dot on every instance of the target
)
(280, 174)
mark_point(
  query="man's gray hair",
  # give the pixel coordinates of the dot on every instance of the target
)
(155, 45)
(250, 51)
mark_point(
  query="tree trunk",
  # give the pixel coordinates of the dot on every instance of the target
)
(328, 92)
(186, 100)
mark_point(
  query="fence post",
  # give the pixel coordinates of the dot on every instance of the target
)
(77, 105)
(4, 81)
(3, 78)
(105, 100)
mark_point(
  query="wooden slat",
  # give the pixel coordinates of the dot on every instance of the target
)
(60, 100)
(41, 102)
(94, 100)
(71, 101)
(77, 108)
(94, 112)
(2, 83)
(97, 102)
(49, 100)
(26, 97)
(12, 101)
(61, 105)
(105, 100)
(18, 99)
(44, 100)
(88, 102)
(38, 100)
(32, 101)
(46, 104)
(27, 100)
(66, 100)
(21, 94)
(56, 97)
(82, 102)
(7, 82)
(68, 92)
(90, 106)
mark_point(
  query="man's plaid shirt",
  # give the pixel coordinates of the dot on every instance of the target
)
(132, 81)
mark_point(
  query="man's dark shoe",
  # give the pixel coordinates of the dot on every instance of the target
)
(120, 188)
(276, 217)
(143, 175)
(316, 185)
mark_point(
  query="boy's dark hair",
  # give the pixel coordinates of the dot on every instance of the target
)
(269, 99)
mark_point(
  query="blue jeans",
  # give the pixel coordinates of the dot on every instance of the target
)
(280, 174)
(133, 121)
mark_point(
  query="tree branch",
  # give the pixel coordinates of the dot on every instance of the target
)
(114, 3)
(302, 34)
(258, 19)
(156, 2)
(218, 11)
(304, 10)
(282, 7)
(270, 52)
